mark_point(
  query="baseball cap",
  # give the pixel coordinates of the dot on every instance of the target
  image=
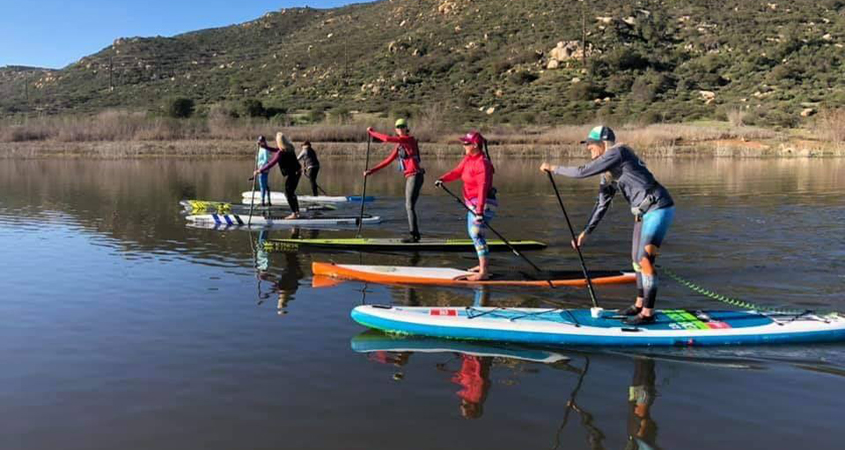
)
(599, 134)
(473, 137)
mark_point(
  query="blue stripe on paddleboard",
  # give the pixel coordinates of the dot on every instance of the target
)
(357, 198)
(228, 220)
(540, 338)
(216, 219)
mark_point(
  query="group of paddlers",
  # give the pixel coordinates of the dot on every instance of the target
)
(617, 164)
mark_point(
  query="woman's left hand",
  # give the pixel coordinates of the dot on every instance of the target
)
(546, 167)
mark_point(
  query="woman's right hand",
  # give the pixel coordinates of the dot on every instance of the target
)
(546, 167)
(582, 238)
(367, 173)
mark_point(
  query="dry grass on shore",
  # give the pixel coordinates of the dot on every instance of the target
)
(127, 134)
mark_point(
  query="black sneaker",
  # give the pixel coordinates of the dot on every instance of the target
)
(632, 310)
(639, 320)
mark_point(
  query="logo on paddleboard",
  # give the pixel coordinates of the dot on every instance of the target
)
(386, 269)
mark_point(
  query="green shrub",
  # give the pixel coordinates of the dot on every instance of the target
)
(522, 77)
(253, 108)
(584, 91)
(179, 108)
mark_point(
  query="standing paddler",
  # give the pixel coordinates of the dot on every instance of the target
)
(285, 157)
(262, 158)
(312, 165)
(651, 204)
(476, 172)
(407, 151)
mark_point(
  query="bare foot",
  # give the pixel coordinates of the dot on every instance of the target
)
(292, 216)
(478, 276)
(474, 269)
(472, 277)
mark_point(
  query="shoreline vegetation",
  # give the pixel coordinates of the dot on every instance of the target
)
(120, 134)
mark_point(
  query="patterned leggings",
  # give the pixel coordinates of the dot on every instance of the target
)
(477, 232)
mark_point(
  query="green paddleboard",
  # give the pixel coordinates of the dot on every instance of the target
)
(394, 244)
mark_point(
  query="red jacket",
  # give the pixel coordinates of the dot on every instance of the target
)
(411, 159)
(476, 171)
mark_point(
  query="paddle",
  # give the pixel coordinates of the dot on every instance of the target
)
(364, 193)
(320, 188)
(252, 197)
(507, 243)
(577, 247)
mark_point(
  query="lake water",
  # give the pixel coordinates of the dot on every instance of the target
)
(124, 328)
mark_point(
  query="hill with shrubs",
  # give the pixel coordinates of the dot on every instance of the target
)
(469, 61)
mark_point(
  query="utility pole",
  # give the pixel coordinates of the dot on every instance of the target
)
(583, 34)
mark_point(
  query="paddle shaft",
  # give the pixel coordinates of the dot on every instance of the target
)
(575, 241)
(513, 249)
(364, 191)
(252, 197)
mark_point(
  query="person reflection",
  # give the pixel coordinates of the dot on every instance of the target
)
(642, 430)
(397, 359)
(288, 282)
(474, 379)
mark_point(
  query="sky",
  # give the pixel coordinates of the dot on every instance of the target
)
(55, 33)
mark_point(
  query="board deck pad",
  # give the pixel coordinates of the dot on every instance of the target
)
(396, 244)
(200, 206)
(578, 327)
(446, 276)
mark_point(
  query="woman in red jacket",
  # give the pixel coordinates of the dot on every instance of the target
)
(408, 152)
(476, 172)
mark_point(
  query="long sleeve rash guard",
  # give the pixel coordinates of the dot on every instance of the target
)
(476, 172)
(628, 174)
(286, 159)
(409, 149)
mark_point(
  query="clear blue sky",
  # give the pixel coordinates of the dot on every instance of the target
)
(55, 33)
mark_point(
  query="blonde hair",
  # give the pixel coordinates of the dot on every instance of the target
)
(283, 142)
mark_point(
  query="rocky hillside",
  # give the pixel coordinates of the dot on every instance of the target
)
(528, 61)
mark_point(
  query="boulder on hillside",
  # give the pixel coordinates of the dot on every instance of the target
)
(566, 51)
(707, 96)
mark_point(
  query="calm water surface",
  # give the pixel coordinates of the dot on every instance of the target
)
(123, 328)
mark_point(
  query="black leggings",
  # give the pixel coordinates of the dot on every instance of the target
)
(312, 177)
(291, 182)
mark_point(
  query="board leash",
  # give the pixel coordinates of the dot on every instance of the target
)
(731, 300)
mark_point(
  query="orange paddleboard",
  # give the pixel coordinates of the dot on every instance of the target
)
(444, 276)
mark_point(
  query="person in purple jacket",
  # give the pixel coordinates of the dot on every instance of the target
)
(285, 157)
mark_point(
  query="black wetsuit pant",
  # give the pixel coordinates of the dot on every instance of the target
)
(413, 186)
(291, 182)
(311, 173)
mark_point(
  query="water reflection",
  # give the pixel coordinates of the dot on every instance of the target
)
(470, 366)
(284, 283)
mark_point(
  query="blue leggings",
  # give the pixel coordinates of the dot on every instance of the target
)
(650, 231)
(264, 185)
(477, 232)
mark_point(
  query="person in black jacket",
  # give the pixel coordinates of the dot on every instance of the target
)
(285, 157)
(312, 165)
